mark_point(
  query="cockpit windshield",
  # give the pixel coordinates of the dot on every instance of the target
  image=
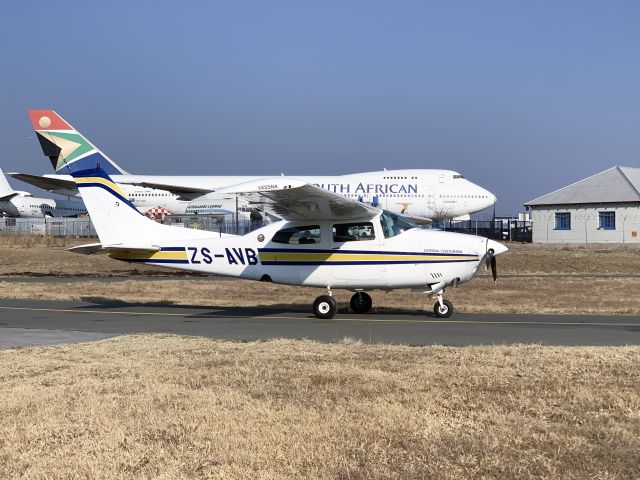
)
(393, 224)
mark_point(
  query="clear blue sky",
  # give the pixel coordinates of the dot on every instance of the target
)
(521, 97)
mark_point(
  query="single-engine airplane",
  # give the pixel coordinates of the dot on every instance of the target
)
(324, 240)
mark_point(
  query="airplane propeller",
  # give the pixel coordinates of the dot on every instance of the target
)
(491, 260)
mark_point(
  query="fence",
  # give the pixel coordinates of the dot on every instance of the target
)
(499, 229)
(82, 227)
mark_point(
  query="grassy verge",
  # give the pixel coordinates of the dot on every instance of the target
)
(157, 406)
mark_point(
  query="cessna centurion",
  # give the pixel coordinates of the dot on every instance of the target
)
(324, 240)
(421, 194)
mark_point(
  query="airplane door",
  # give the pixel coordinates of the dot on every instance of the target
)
(354, 245)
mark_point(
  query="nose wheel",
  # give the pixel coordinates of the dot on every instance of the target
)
(443, 308)
(360, 302)
(325, 306)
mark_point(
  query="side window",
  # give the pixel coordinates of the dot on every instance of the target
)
(393, 224)
(353, 232)
(306, 235)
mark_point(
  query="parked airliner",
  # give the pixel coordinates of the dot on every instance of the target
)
(421, 194)
(23, 204)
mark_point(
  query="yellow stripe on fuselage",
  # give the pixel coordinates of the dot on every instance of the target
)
(103, 181)
(148, 255)
(355, 257)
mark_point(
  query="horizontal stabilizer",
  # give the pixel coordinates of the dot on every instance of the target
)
(186, 192)
(47, 183)
(9, 196)
(91, 248)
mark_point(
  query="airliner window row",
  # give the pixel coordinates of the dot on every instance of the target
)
(400, 178)
(151, 195)
(381, 195)
(58, 208)
(463, 196)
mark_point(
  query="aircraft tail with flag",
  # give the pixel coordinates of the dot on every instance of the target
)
(68, 150)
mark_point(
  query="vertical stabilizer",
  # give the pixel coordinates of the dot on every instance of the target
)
(117, 221)
(68, 150)
(6, 191)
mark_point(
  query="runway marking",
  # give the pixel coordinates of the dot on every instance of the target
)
(364, 320)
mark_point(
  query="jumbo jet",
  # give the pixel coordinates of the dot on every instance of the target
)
(420, 194)
(23, 204)
(324, 240)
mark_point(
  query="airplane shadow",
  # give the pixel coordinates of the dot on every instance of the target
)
(208, 311)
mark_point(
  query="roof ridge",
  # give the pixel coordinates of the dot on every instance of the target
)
(572, 184)
(627, 180)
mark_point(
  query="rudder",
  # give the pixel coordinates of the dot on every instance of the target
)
(68, 150)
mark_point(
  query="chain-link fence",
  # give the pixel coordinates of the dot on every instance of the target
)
(498, 229)
(82, 227)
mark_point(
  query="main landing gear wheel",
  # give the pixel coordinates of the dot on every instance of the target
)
(325, 307)
(360, 302)
(443, 311)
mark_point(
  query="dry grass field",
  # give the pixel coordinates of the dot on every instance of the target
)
(157, 406)
(534, 278)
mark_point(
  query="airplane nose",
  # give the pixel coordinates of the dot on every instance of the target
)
(497, 248)
(491, 198)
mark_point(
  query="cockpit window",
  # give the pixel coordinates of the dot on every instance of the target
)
(309, 234)
(457, 176)
(393, 224)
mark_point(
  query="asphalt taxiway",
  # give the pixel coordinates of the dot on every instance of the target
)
(32, 322)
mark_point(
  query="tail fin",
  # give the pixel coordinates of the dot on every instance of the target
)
(68, 150)
(116, 219)
(6, 192)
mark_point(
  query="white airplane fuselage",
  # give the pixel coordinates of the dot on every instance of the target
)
(416, 258)
(418, 193)
(26, 205)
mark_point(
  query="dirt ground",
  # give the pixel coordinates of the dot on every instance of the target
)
(157, 406)
(533, 279)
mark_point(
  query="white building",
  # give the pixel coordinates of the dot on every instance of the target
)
(604, 208)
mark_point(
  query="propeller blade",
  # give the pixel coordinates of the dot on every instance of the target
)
(487, 258)
(494, 269)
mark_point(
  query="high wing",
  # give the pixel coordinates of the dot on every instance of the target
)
(55, 185)
(294, 199)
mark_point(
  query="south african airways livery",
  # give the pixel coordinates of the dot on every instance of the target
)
(421, 194)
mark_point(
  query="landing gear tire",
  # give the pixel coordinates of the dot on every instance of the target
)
(443, 311)
(360, 302)
(325, 307)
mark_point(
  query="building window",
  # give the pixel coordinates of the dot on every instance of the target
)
(607, 220)
(563, 221)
